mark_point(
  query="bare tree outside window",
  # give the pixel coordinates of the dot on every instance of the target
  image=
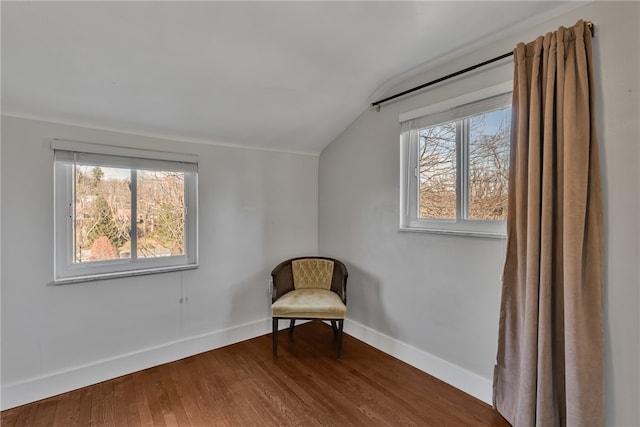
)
(489, 165)
(484, 144)
(160, 213)
(437, 166)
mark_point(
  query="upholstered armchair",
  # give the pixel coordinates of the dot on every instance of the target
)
(309, 288)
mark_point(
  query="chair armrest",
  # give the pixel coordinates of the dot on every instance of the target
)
(339, 280)
(282, 279)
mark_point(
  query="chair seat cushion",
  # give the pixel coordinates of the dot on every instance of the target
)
(309, 304)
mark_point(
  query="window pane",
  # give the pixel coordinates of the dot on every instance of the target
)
(437, 172)
(161, 213)
(102, 213)
(489, 165)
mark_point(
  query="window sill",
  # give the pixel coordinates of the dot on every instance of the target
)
(121, 274)
(458, 233)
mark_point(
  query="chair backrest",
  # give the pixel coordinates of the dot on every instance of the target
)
(312, 273)
(283, 279)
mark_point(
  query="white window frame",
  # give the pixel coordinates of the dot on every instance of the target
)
(65, 154)
(411, 122)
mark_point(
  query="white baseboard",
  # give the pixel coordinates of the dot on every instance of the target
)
(460, 378)
(38, 388)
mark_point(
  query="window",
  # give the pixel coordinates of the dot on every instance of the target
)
(122, 211)
(455, 166)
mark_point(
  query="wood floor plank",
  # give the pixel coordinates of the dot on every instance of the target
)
(102, 404)
(186, 393)
(154, 401)
(128, 404)
(243, 385)
(9, 417)
(143, 407)
(26, 418)
(67, 410)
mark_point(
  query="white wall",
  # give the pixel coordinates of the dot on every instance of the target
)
(256, 208)
(434, 300)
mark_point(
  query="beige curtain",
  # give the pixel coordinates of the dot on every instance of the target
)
(549, 369)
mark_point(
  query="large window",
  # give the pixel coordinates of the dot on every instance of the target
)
(455, 167)
(122, 211)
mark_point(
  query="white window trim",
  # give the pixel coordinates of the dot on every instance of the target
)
(65, 271)
(408, 182)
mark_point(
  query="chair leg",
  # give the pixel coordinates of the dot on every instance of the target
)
(274, 333)
(340, 325)
(291, 326)
(334, 327)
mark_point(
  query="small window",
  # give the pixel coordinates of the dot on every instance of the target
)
(122, 212)
(455, 168)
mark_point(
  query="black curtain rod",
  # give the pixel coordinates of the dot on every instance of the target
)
(457, 73)
(447, 77)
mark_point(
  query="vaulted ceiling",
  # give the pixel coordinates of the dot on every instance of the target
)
(277, 75)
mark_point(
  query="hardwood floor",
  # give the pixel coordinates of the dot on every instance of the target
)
(242, 385)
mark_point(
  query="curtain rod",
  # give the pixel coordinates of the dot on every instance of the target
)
(457, 73)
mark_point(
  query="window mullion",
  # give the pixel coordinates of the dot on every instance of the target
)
(411, 175)
(133, 232)
(414, 174)
(462, 161)
(465, 168)
(73, 215)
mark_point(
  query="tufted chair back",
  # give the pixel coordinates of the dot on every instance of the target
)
(312, 273)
